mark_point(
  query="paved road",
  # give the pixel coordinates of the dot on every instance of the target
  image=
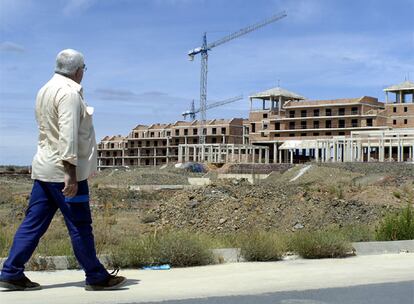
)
(289, 279)
(387, 293)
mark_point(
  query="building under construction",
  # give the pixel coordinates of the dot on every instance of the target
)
(283, 127)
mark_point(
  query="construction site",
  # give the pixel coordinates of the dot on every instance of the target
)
(285, 128)
(281, 127)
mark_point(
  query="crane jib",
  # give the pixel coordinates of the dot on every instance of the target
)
(204, 55)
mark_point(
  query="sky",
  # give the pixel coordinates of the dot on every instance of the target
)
(137, 66)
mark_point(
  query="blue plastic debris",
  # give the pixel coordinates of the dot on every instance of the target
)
(157, 267)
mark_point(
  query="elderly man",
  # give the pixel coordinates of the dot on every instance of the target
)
(65, 158)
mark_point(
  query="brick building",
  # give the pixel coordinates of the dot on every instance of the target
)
(282, 127)
(158, 144)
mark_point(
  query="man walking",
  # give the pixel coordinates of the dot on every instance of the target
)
(66, 156)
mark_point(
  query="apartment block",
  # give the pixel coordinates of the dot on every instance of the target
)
(158, 144)
(282, 127)
(292, 126)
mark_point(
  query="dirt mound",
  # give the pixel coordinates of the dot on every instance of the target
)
(232, 205)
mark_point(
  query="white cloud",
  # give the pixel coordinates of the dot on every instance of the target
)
(8, 46)
(77, 6)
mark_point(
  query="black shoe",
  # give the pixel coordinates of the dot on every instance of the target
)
(111, 283)
(21, 284)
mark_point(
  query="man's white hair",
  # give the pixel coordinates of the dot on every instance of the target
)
(68, 61)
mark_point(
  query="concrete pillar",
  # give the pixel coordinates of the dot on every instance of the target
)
(369, 151)
(291, 156)
(168, 150)
(279, 104)
(390, 152)
(139, 156)
(203, 153)
(195, 154)
(399, 150)
(274, 153)
(155, 157)
(317, 151)
(260, 155)
(266, 156)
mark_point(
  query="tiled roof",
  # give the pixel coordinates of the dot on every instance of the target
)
(276, 92)
(406, 85)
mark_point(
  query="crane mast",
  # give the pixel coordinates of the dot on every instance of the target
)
(203, 50)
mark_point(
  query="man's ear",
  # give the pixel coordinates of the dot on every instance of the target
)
(78, 75)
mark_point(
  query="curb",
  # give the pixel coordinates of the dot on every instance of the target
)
(389, 247)
(221, 255)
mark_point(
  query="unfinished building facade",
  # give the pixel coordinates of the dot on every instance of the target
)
(283, 127)
(159, 144)
(298, 130)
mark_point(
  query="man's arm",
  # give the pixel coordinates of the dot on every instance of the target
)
(71, 184)
(69, 107)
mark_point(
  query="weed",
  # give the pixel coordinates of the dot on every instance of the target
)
(321, 244)
(397, 226)
(263, 246)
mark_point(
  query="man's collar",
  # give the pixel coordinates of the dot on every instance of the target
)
(69, 81)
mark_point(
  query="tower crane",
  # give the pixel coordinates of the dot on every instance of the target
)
(192, 112)
(205, 48)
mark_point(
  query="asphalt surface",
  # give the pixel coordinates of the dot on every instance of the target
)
(387, 293)
(385, 278)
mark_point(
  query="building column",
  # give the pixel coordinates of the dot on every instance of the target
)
(369, 151)
(266, 156)
(168, 150)
(274, 153)
(187, 152)
(291, 156)
(399, 150)
(390, 152)
(139, 156)
(260, 155)
(155, 157)
(317, 151)
(279, 161)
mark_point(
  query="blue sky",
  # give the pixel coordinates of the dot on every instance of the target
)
(138, 71)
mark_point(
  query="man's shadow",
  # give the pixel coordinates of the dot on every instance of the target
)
(129, 282)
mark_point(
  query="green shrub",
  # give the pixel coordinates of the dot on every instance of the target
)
(263, 246)
(134, 252)
(399, 226)
(182, 249)
(321, 244)
(179, 249)
(358, 232)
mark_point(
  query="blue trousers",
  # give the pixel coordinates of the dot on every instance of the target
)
(45, 199)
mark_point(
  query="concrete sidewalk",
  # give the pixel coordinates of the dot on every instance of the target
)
(221, 280)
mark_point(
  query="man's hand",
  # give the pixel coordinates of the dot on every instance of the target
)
(71, 184)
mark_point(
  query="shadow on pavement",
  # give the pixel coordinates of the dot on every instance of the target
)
(81, 284)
